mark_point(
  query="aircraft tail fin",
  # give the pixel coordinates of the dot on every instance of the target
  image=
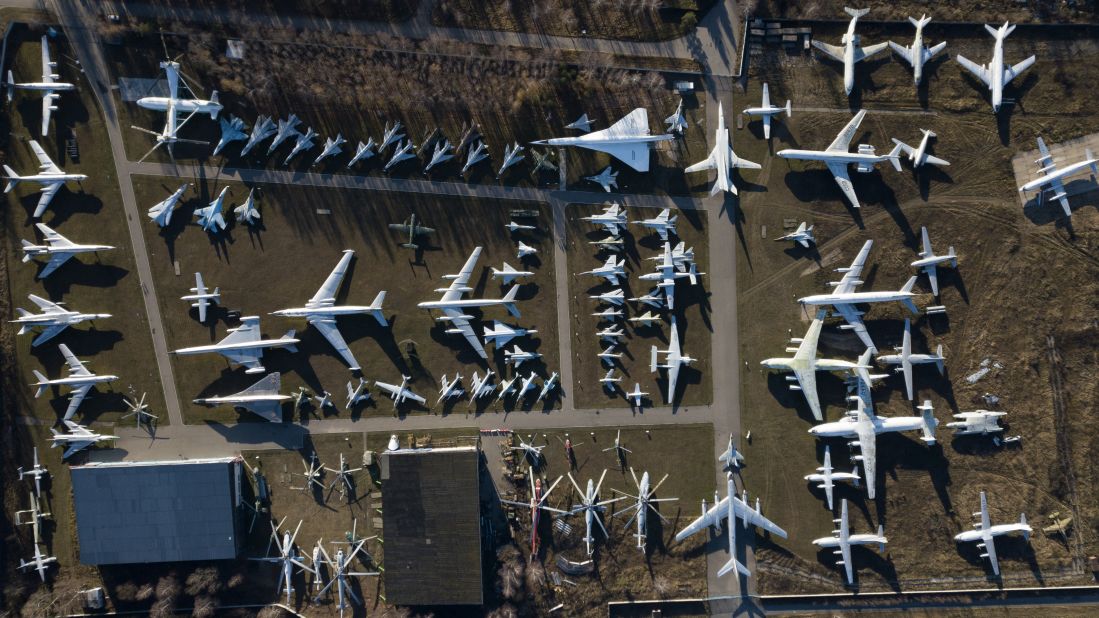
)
(290, 335)
(855, 12)
(919, 23)
(26, 255)
(10, 84)
(909, 284)
(42, 386)
(509, 301)
(214, 99)
(789, 109)
(13, 179)
(1091, 156)
(733, 563)
(881, 537)
(377, 311)
(894, 156)
(1026, 528)
(939, 363)
(929, 424)
(953, 257)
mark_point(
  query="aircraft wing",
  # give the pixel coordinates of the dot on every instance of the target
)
(48, 191)
(854, 319)
(52, 238)
(766, 96)
(76, 446)
(926, 242)
(707, 164)
(47, 70)
(245, 333)
(868, 448)
(905, 148)
(632, 124)
(862, 53)
(756, 518)
(47, 107)
(56, 260)
(839, 172)
(843, 141)
(249, 357)
(903, 52)
(464, 326)
(845, 544)
(48, 333)
(990, 549)
(933, 277)
(981, 72)
(933, 160)
(331, 332)
(76, 368)
(807, 380)
(712, 516)
(76, 398)
(633, 154)
(836, 53)
(44, 162)
(1014, 71)
(850, 278)
(202, 304)
(1060, 195)
(462, 279)
(48, 307)
(326, 295)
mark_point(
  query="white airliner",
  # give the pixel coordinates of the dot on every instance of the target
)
(453, 305)
(837, 157)
(262, 398)
(766, 111)
(663, 224)
(49, 86)
(843, 539)
(852, 50)
(722, 159)
(844, 298)
(674, 359)
(321, 311)
(995, 75)
(1050, 175)
(202, 297)
(400, 393)
(78, 438)
(161, 212)
(39, 561)
(58, 248)
(244, 346)
(80, 380)
(917, 54)
(627, 140)
(210, 218)
(49, 175)
(906, 359)
(985, 534)
(727, 510)
(919, 155)
(826, 477)
(53, 319)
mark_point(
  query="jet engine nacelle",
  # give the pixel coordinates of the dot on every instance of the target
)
(866, 149)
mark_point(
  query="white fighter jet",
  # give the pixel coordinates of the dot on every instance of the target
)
(58, 248)
(508, 273)
(652, 299)
(528, 384)
(608, 179)
(917, 54)
(40, 560)
(722, 158)
(674, 359)
(677, 122)
(613, 297)
(362, 152)
(512, 155)
(728, 510)
(501, 333)
(232, 130)
(244, 345)
(852, 50)
(844, 540)
(161, 212)
(995, 75)
(612, 219)
(977, 422)
(766, 111)
(517, 355)
(1050, 175)
(524, 250)
(210, 218)
(247, 212)
(826, 477)
(667, 273)
(919, 155)
(321, 311)
(663, 224)
(287, 129)
(844, 299)
(37, 472)
(984, 534)
(303, 143)
(507, 387)
(80, 380)
(611, 334)
(610, 381)
(627, 140)
(805, 364)
(453, 305)
(906, 359)
(611, 270)
(803, 235)
(514, 227)
(263, 129)
(548, 386)
(52, 320)
(682, 256)
(609, 244)
(610, 314)
(331, 148)
(78, 438)
(731, 458)
(356, 393)
(49, 87)
(443, 153)
(404, 151)
(450, 389)
(580, 124)
(400, 393)
(608, 356)
(202, 297)
(592, 508)
(262, 398)
(476, 154)
(481, 387)
(643, 503)
(391, 135)
(837, 158)
(647, 319)
(636, 396)
(49, 176)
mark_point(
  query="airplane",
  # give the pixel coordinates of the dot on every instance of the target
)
(49, 175)
(766, 110)
(666, 274)
(391, 136)
(287, 559)
(677, 122)
(682, 256)
(843, 539)
(301, 398)
(917, 54)
(58, 248)
(532, 453)
(805, 364)
(321, 311)
(731, 457)
(262, 398)
(481, 387)
(728, 509)
(592, 507)
(978, 422)
(80, 380)
(324, 400)
(837, 157)
(647, 319)
(39, 561)
(610, 334)
(514, 227)
(356, 394)
(507, 387)
(175, 107)
(78, 438)
(362, 152)
(210, 218)
(542, 162)
(636, 396)
(844, 299)
(400, 393)
(232, 130)
(613, 219)
(53, 319)
(852, 50)
(476, 154)
(202, 297)
(331, 148)
(609, 381)
(608, 357)
(663, 224)
(611, 244)
(287, 129)
(1048, 174)
(652, 299)
(37, 471)
(861, 426)
(161, 212)
(610, 271)
(918, 155)
(929, 262)
(517, 355)
(263, 129)
(608, 179)
(528, 383)
(609, 314)
(247, 212)
(453, 305)
(643, 503)
(509, 274)
(344, 479)
(524, 250)
(627, 140)
(995, 75)
(722, 158)
(548, 386)
(244, 345)
(443, 153)
(340, 568)
(613, 297)
(511, 157)
(985, 534)
(906, 359)
(803, 235)
(502, 333)
(580, 124)
(48, 87)
(303, 143)
(412, 229)
(404, 151)
(450, 389)
(537, 504)
(827, 477)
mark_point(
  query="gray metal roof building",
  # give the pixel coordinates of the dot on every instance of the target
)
(431, 517)
(157, 511)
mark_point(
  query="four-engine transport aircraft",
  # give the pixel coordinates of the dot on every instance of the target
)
(917, 54)
(262, 398)
(995, 75)
(984, 534)
(843, 539)
(58, 248)
(49, 86)
(722, 159)
(53, 319)
(852, 50)
(321, 311)
(766, 111)
(1050, 175)
(627, 140)
(80, 380)
(243, 345)
(49, 175)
